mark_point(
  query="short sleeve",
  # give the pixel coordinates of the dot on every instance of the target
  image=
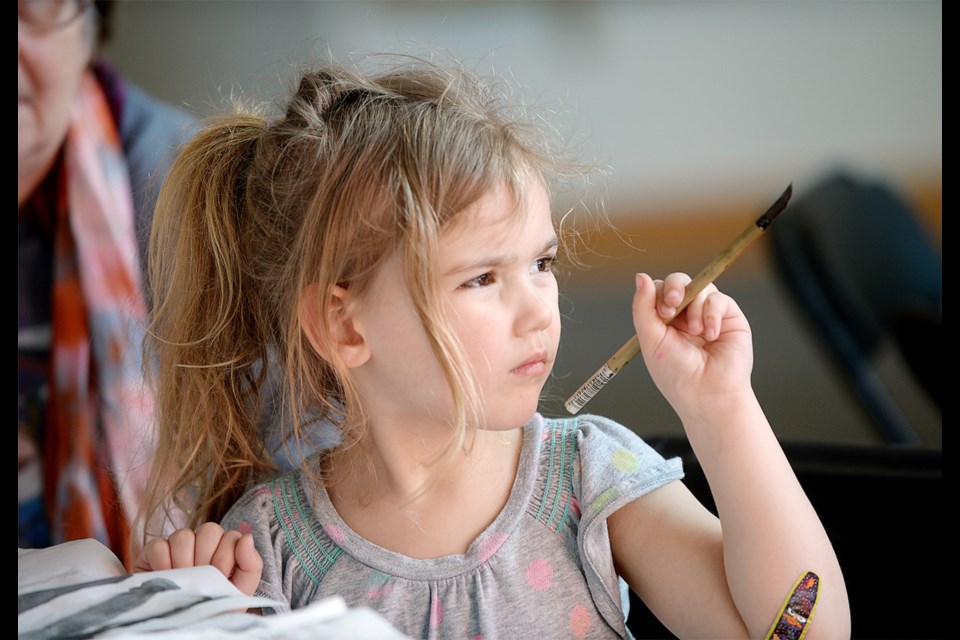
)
(253, 513)
(614, 467)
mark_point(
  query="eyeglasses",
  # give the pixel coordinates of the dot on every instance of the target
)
(43, 16)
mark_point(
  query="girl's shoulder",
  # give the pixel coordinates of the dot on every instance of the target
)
(262, 500)
(589, 467)
(591, 433)
(609, 461)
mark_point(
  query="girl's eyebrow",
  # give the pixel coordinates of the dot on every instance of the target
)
(552, 244)
(495, 261)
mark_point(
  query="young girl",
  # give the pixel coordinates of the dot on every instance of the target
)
(388, 245)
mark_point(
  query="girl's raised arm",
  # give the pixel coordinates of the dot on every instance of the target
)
(730, 577)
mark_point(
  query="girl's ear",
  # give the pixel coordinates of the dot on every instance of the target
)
(334, 337)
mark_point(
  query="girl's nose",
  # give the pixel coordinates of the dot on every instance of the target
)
(534, 310)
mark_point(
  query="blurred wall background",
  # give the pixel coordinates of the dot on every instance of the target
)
(703, 111)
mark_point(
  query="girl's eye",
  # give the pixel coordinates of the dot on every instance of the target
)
(544, 264)
(480, 281)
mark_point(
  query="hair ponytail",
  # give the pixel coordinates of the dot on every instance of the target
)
(205, 340)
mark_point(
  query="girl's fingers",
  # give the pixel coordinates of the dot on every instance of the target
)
(694, 315)
(154, 557)
(225, 558)
(693, 320)
(673, 291)
(714, 308)
(230, 552)
(208, 538)
(182, 547)
(646, 317)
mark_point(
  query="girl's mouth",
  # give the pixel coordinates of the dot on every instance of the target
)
(533, 367)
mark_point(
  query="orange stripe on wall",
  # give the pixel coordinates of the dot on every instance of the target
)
(687, 238)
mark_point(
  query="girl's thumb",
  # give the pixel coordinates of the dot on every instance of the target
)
(246, 575)
(648, 324)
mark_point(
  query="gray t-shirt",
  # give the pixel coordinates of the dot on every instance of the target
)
(543, 566)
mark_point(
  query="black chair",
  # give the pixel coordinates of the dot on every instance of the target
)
(864, 272)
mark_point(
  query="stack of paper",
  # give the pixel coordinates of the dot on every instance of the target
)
(80, 590)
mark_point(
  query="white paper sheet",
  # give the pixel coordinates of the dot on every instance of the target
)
(80, 589)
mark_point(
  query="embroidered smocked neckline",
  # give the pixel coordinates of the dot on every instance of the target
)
(328, 520)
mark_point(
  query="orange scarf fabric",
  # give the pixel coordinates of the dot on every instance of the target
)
(99, 434)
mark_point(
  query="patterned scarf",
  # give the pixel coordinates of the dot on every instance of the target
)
(99, 431)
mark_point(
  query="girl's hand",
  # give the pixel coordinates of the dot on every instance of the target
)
(703, 356)
(231, 552)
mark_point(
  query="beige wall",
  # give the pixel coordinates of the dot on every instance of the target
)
(704, 111)
(683, 100)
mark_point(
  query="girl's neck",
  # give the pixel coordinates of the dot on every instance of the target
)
(395, 464)
(400, 491)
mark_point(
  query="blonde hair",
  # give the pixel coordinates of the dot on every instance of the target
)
(254, 214)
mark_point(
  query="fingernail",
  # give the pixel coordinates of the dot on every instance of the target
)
(639, 281)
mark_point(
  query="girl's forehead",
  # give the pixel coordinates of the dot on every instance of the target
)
(502, 214)
(497, 230)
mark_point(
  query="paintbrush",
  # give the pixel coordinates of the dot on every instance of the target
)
(723, 260)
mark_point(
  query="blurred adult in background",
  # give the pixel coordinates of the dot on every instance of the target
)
(92, 151)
